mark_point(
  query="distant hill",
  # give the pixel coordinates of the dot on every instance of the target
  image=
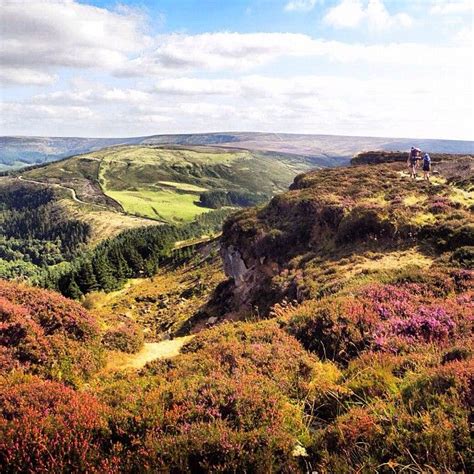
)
(173, 183)
(17, 152)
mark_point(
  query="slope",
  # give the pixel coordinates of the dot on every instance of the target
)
(326, 233)
(329, 150)
(168, 183)
(352, 353)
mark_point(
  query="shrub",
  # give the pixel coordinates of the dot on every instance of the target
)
(464, 256)
(382, 317)
(456, 353)
(46, 334)
(47, 427)
(51, 311)
(230, 402)
(364, 223)
(128, 337)
(21, 337)
(337, 329)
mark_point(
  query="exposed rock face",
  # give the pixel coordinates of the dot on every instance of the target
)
(249, 275)
(234, 265)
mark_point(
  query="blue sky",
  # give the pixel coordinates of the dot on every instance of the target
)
(353, 67)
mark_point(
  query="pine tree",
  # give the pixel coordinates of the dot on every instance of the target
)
(104, 273)
(69, 288)
(85, 278)
(119, 264)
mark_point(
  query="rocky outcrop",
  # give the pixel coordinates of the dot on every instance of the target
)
(234, 265)
(289, 249)
(250, 279)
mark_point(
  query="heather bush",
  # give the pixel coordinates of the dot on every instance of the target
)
(418, 416)
(381, 317)
(21, 337)
(46, 334)
(464, 256)
(352, 440)
(363, 223)
(366, 382)
(456, 353)
(337, 329)
(47, 427)
(128, 337)
(51, 311)
(231, 401)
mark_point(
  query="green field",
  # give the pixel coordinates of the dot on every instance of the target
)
(164, 204)
(164, 183)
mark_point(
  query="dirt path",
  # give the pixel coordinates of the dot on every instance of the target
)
(150, 351)
(55, 185)
(80, 201)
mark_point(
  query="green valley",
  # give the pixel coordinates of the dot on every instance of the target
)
(165, 183)
(125, 187)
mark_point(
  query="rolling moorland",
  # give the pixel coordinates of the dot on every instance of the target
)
(329, 330)
(102, 193)
(18, 152)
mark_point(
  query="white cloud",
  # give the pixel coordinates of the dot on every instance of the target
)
(347, 14)
(311, 104)
(215, 51)
(450, 7)
(300, 5)
(353, 13)
(465, 37)
(196, 86)
(39, 36)
(25, 76)
(219, 80)
(97, 94)
(240, 52)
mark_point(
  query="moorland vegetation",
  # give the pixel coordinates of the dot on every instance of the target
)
(342, 343)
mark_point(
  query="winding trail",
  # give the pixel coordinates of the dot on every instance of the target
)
(80, 201)
(55, 185)
(150, 351)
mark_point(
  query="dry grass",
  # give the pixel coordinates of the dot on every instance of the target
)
(165, 302)
(104, 223)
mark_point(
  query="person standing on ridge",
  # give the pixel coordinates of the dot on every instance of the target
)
(426, 166)
(412, 161)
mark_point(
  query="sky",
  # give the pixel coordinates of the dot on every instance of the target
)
(393, 68)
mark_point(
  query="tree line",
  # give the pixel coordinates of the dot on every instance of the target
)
(35, 232)
(131, 254)
(218, 198)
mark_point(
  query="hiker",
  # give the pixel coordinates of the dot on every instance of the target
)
(426, 166)
(412, 161)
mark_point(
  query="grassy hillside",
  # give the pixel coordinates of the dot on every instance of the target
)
(166, 303)
(329, 229)
(166, 183)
